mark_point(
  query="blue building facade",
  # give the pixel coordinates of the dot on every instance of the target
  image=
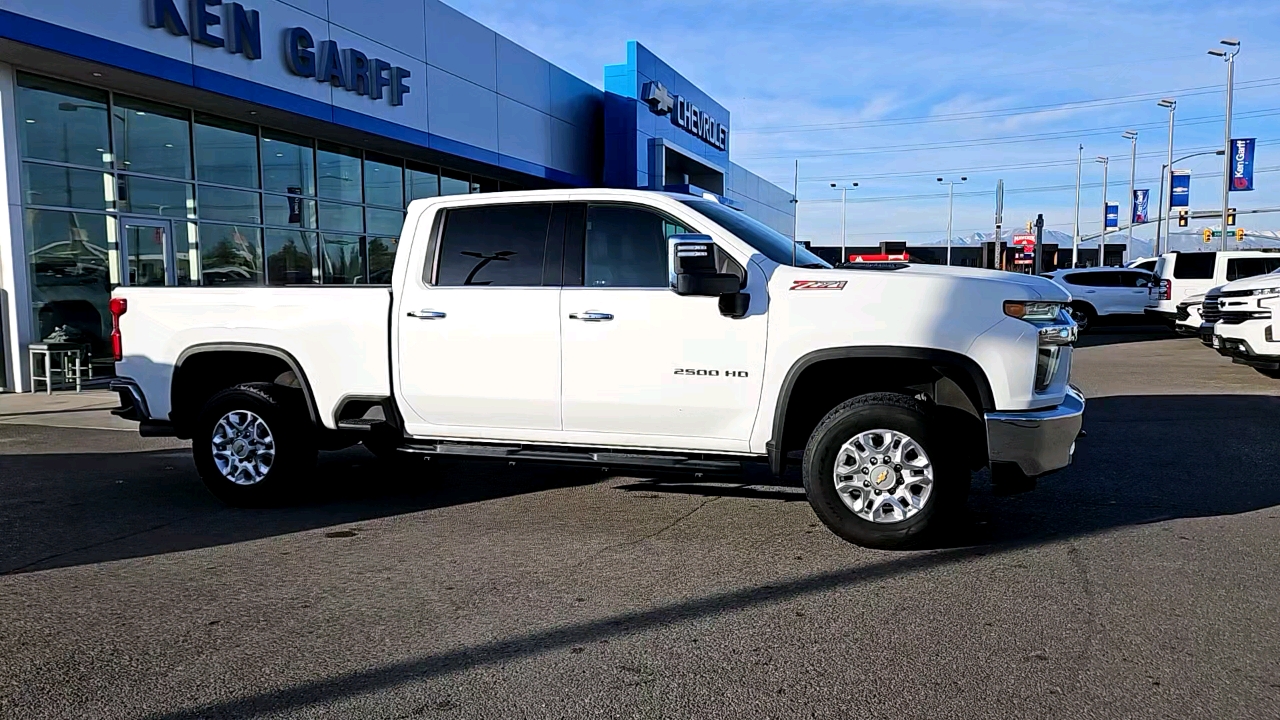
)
(207, 142)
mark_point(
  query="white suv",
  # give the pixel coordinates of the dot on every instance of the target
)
(1182, 275)
(1244, 327)
(1105, 292)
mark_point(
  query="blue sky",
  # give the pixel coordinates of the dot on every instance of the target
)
(919, 88)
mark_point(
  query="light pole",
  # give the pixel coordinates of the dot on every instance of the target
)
(1132, 137)
(951, 204)
(1102, 241)
(1230, 57)
(1167, 170)
(1172, 105)
(844, 196)
(1075, 238)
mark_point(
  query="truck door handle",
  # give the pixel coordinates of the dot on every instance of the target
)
(426, 314)
(591, 316)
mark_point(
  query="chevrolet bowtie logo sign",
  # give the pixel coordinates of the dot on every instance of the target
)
(685, 115)
(659, 100)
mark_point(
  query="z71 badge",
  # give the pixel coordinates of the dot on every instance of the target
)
(818, 284)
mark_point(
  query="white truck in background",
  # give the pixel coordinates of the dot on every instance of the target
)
(625, 329)
(1243, 316)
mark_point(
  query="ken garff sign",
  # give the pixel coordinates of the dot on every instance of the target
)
(685, 115)
(344, 68)
(1242, 163)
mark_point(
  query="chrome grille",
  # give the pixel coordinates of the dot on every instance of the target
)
(1211, 310)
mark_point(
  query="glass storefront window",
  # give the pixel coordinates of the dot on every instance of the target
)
(146, 196)
(152, 138)
(454, 183)
(65, 187)
(188, 263)
(237, 206)
(342, 218)
(289, 211)
(69, 260)
(288, 163)
(342, 259)
(62, 122)
(383, 181)
(226, 152)
(483, 184)
(339, 172)
(230, 255)
(291, 257)
(383, 222)
(382, 259)
(421, 181)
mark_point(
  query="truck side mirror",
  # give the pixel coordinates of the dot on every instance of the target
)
(694, 262)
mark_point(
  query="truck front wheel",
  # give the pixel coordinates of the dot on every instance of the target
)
(250, 441)
(879, 471)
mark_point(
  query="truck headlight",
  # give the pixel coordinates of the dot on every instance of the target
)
(1032, 310)
(1047, 361)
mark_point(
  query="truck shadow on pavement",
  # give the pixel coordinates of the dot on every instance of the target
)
(1124, 333)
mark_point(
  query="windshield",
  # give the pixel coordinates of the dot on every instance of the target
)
(769, 242)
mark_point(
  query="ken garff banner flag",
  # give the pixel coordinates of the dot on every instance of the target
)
(1180, 189)
(1242, 163)
(1113, 215)
(1141, 201)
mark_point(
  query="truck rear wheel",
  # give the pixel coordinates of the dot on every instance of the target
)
(879, 472)
(250, 442)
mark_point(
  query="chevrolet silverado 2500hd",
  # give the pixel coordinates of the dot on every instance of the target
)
(626, 329)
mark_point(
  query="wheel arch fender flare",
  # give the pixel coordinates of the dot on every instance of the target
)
(978, 386)
(253, 349)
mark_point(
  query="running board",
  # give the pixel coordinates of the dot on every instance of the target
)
(607, 459)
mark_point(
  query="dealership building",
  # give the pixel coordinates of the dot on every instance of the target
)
(277, 142)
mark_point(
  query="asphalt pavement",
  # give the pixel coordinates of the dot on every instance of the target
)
(1141, 582)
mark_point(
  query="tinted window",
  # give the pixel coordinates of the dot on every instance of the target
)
(338, 170)
(496, 245)
(226, 152)
(383, 182)
(627, 247)
(152, 138)
(62, 122)
(1094, 279)
(288, 163)
(769, 242)
(1134, 279)
(1194, 266)
(1148, 265)
(1248, 267)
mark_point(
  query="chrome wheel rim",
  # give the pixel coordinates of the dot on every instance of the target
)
(883, 476)
(243, 448)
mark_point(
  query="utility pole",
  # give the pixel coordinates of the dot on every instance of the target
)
(1132, 137)
(951, 204)
(1075, 238)
(1165, 174)
(795, 218)
(999, 221)
(1230, 57)
(844, 197)
(1102, 241)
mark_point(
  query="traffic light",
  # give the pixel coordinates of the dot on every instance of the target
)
(1239, 234)
(1231, 217)
(1208, 235)
(1182, 218)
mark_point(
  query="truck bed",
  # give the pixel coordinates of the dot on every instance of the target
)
(339, 334)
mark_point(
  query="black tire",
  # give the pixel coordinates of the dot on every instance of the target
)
(1084, 315)
(280, 410)
(902, 414)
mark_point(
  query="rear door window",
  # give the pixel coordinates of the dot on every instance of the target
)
(1250, 266)
(1133, 279)
(1194, 266)
(494, 245)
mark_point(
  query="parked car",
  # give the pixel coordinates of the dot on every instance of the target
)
(1182, 275)
(624, 329)
(1105, 292)
(1148, 264)
(1244, 327)
(1189, 319)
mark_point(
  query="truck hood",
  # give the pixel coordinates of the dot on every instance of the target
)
(1253, 283)
(1030, 286)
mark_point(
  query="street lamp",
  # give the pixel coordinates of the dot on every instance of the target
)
(1230, 57)
(1132, 137)
(1167, 169)
(1172, 105)
(844, 192)
(1102, 241)
(951, 203)
(1075, 238)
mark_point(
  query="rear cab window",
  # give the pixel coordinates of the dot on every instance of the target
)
(1194, 266)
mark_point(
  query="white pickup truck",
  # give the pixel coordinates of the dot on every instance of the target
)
(1242, 316)
(625, 329)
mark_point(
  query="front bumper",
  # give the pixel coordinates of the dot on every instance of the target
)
(1037, 441)
(1250, 343)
